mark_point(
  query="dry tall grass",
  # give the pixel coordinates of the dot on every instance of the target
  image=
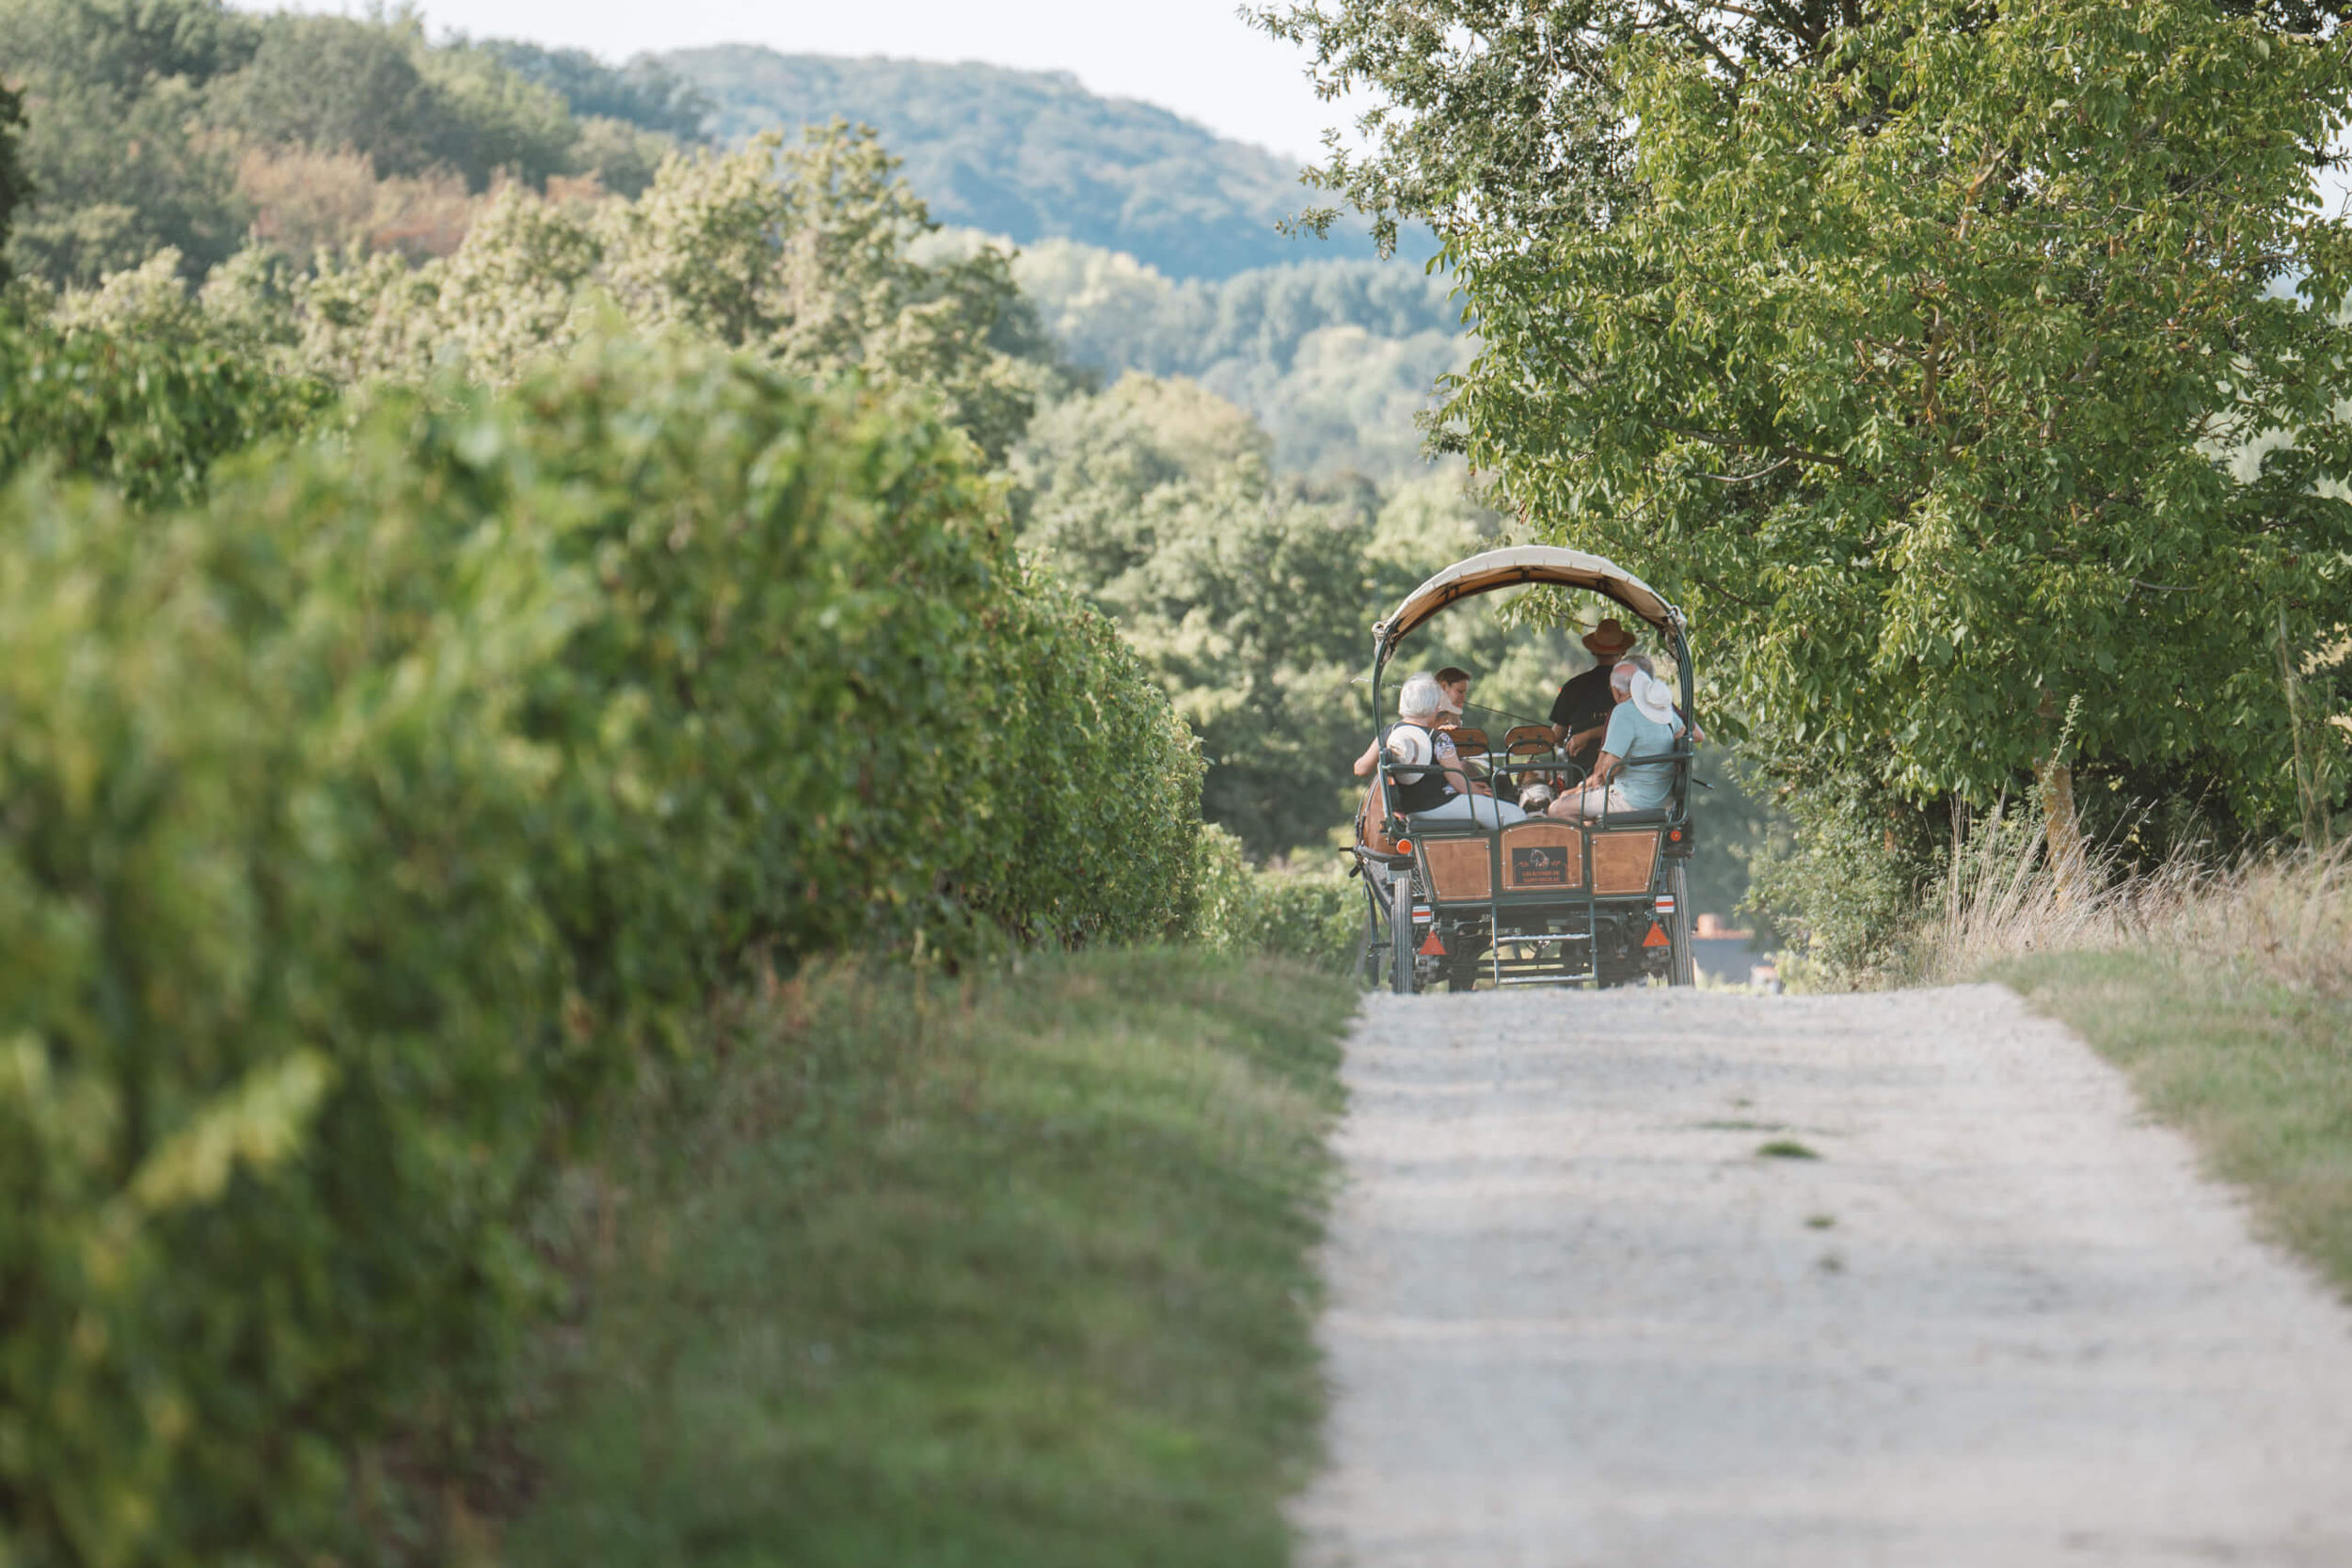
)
(2287, 916)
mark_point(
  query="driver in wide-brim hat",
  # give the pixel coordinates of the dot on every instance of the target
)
(1580, 714)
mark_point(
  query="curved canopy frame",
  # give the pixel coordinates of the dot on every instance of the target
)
(1521, 565)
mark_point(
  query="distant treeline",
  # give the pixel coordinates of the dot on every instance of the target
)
(1036, 156)
(186, 124)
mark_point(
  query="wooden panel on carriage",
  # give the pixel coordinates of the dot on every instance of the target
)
(1538, 856)
(1457, 870)
(1520, 735)
(1623, 862)
(1469, 741)
(1372, 816)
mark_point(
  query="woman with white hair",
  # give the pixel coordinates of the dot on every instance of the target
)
(1427, 781)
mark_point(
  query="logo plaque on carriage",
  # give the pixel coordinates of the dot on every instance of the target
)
(1539, 866)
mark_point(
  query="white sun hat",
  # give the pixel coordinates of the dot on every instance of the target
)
(1652, 698)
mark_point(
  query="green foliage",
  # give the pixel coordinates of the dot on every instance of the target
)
(1733, 819)
(336, 82)
(1029, 154)
(1098, 765)
(117, 177)
(265, 894)
(135, 408)
(1842, 876)
(1515, 116)
(624, 157)
(494, 122)
(329, 83)
(1929, 436)
(138, 111)
(801, 250)
(1315, 919)
(1334, 357)
(798, 254)
(1247, 601)
(362, 821)
(644, 93)
(14, 184)
(115, 94)
(1250, 597)
(126, 46)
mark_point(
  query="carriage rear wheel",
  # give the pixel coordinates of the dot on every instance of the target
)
(1373, 965)
(1680, 964)
(1401, 935)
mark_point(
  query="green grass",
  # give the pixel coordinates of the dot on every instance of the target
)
(1011, 1272)
(1784, 1148)
(2258, 1073)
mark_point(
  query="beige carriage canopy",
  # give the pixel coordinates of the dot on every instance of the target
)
(1527, 563)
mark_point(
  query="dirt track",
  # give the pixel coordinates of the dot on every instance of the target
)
(1576, 1318)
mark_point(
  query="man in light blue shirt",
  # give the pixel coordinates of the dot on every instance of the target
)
(1642, 726)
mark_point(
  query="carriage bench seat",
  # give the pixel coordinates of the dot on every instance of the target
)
(1653, 817)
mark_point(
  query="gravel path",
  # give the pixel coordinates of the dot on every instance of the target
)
(2001, 1322)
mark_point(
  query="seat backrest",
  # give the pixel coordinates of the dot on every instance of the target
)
(1517, 733)
(1470, 742)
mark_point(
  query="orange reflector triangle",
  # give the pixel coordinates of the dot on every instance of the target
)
(1657, 937)
(1430, 945)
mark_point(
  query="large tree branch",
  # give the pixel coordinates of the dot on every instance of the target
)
(1738, 443)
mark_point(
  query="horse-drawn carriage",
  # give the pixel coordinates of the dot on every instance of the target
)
(1544, 901)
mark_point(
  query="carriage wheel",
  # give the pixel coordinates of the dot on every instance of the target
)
(1372, 962)
(1680, 960)
(1401, 936)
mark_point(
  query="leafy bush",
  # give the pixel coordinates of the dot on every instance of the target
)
(358, 824)
(1843, 880)
(1317, 919)
(149, 416)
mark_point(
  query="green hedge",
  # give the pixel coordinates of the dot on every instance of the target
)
(359, 824)
(1316, 919)
(150, 417)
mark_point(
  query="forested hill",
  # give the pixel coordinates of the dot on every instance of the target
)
(1032, 155)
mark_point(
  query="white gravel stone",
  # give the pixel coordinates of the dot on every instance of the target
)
(1575, 1319)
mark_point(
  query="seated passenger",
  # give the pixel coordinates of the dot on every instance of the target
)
(1580, 714)
(1453, 696)
(1429, 785)
(1643, 726)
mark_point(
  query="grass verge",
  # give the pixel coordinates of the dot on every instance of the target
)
(1009, 1271)
(2258, 1071)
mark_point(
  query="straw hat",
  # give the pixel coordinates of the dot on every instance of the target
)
(1608, 639)
(1652, 699)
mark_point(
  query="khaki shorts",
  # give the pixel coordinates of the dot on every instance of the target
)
(1594, 798)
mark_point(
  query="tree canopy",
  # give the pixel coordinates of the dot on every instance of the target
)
(1968, 372)
(183, 124)
(14, 188)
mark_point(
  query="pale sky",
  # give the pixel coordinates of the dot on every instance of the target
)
(1194, 56)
